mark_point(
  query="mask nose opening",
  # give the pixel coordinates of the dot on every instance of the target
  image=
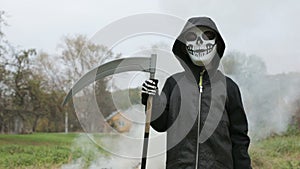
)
(199, 41)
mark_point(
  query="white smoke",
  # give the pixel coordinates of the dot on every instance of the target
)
(93, 156)
(269, 100)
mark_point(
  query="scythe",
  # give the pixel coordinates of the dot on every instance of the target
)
(118, 66)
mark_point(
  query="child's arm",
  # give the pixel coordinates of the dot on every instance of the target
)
(238, 128)
(160, 108)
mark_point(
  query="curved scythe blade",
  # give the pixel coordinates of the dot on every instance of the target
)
(117, 66)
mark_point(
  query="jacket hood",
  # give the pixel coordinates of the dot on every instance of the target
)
(179, 48)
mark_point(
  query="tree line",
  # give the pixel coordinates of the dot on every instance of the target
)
(34, 83)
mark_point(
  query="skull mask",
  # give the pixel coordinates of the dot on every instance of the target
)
(201, 45)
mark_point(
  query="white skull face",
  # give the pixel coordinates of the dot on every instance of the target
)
(201, 45)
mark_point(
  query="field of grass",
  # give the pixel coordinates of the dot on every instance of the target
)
(35, 150)
(277, 152)
(41, 150)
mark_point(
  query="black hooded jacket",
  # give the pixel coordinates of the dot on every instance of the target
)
(217, 139)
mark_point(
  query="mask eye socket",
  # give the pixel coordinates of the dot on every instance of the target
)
(190, 36)
(209, 35)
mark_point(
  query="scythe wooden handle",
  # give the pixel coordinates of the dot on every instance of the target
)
(147, 131)
(148, 115)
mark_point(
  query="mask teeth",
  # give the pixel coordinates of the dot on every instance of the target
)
(192, 51)
(209, 48)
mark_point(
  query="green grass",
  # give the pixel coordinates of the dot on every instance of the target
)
(38, 150)
(277, 152)
(38, 138)
(46, 150)
(51, 150)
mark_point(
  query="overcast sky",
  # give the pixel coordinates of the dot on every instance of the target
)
(266, 28)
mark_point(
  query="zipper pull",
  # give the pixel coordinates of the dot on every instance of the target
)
(201, 81)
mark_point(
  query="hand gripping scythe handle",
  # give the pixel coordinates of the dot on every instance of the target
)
(148, 114)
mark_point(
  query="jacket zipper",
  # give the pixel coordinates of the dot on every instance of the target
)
(199, 122)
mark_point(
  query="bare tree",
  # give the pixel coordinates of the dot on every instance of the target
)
(78, 56)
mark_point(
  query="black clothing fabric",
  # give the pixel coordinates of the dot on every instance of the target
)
(177, 108)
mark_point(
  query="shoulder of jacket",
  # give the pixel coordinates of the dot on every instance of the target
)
(176, 76)
(173, 79)
(231, 84)
(233, 90)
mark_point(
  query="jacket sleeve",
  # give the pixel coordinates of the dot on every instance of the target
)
(238, 128)
(160, 108)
